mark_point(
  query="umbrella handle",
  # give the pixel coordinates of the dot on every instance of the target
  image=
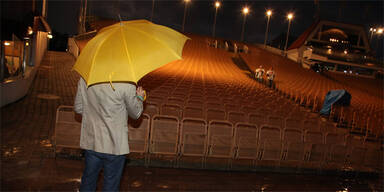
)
(145, 95)
(110, 81)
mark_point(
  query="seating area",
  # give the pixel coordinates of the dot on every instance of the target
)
(206, 111)
(308, 88)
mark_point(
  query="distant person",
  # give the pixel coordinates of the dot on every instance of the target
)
(259, 72)
(245, 48)
(6, 69)
(104, 129)
(270, 77)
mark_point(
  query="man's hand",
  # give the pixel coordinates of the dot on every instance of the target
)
(140, 92)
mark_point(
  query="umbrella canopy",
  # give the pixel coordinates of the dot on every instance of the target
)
(127, 51)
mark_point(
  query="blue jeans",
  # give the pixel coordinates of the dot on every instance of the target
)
(113, 166)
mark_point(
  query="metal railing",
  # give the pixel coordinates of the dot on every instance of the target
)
(347, 57)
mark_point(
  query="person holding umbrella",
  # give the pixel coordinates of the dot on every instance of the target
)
(110, 65)
(104, 132)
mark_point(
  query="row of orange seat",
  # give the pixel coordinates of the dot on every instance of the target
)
(309, 88)
(214, 85)
(194, 141)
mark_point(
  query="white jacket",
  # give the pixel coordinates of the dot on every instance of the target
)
(105, 113)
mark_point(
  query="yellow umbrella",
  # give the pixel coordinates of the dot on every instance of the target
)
(127, 51)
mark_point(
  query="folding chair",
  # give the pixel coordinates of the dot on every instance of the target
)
(138, 136)
(246, 139)
(164, 139)
(193, 142)
(67, 128)
(220, 143)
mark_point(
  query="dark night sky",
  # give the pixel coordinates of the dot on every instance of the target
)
(63, 15)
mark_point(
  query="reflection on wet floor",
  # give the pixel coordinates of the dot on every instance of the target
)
(62, 174)
(10, 151)
(136, 184)
(45, 143)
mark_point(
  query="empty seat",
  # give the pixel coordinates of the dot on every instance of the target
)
(151, 109)
(282, 111)
(335, 113)
(246, 139)
(155, 99)
(373, 161)
(265, 111)
(194, 97)
(337, 151)
(181, 94)
(138, 134)
(195, 103)
(175, 100)
(212, 99)
(356, 152)
(159, 92)
(248, 109)
(275, 121)
(235, 117)
(193, 112)
(294, 148)
(315, 149)
(172, 110)
(329, 126)
(257, 119)
(214, 105)
(164, 136)
(293, 123)
(311, 124)
(230, 107)
(215, 114)
(220, 142)
(220, 138)
(375, 128)
(193, 139)
(346, 117)
(67, 128)
(269, 146)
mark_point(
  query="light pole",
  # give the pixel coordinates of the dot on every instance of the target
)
(378, 32)
(371, 30)
(217, 5)
(269, 13)
(153, 7)
(185, 11)
(289, 17)
(245, 12)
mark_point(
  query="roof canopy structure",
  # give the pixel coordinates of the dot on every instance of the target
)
(338, 47)
(329, 32)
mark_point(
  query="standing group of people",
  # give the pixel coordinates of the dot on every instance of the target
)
(270, 75)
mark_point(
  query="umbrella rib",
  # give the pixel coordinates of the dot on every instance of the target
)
(126, 50)
(150, 36)
(93, 60)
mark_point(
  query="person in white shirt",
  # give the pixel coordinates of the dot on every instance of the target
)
(270, 77)
(259, 72)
